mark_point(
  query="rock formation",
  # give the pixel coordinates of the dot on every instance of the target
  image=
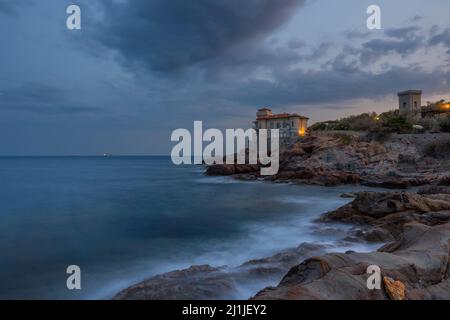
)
(205, 282)
(196, 282)
(415, 266)
(416, 227)
(347, 159)
(392, 210)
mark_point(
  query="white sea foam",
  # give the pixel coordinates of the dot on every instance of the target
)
(264, 239)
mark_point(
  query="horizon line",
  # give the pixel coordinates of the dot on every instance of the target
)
(84, 155)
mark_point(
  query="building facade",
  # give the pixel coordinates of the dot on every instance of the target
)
(410, 102)
(410, 106)
(289, 125)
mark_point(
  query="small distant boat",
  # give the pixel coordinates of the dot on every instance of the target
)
(107, 155)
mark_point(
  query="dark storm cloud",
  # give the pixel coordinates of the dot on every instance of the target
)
(166, 35)
(442, 37)
(402, 41)
(228, 41)
(296, 44)
(357, 34)
(399, 33)
(12, 7)
(234, 56)
(41, 99)
(343, 76)
(229, 70)
(402, 33)
(378, 48)
(336, 85)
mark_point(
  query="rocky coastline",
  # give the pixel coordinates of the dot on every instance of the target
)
(414, 266)
(411, 225)
(337, 159)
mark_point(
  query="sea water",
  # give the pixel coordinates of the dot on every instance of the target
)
(123, 219)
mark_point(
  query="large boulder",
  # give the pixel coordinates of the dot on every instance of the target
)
(196, 282)
(391, 210)
(418, 263)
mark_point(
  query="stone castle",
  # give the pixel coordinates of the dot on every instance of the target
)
(293, 125)
(289, 125)
(410, 106)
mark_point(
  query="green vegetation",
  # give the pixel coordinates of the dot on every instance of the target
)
(436, 118)
(438, 124)
(344, 138)
(362, 122)
(379, 127)
(441, 104)
(394, 123)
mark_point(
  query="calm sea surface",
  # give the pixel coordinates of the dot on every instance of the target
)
(122, 219)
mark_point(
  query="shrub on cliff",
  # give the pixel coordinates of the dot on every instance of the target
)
(438, 149)
(395, 123)
(445, 124)
(361, 122)
(345, 139)
(319, 126)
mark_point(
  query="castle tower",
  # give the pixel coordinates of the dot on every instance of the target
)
(264, 112)
(410, 102)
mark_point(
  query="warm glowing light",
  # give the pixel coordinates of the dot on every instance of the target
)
(377, 118)
(301, 132)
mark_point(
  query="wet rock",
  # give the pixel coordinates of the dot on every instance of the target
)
(327, 231)
(391, 210)
(280, 263)
(341, 159)
(195, 283)
(205, 282)
(388, 183)
(370, 234)
(348, 195)
(394, 289)
(398, 182)
(231, 169)
(418, 260)
(430, 190)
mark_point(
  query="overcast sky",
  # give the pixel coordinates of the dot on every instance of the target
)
(139, 69)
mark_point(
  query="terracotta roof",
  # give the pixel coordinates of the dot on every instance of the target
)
(280, 116)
